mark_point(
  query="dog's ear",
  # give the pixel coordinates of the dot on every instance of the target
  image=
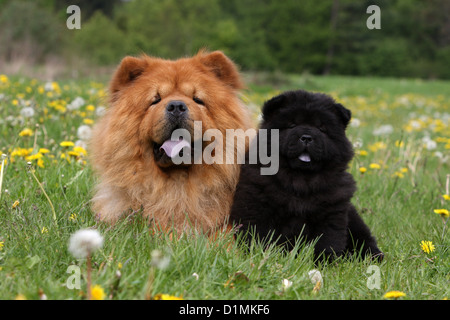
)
(271, 106)
(222, 67)
(344, 114)
(130, 69)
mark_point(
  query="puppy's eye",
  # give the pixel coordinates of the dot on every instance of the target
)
(198, 101)
(156, 100)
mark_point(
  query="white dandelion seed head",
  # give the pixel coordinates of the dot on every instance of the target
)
(27, 112)
(441, 157)
(84, 132)
(429, 143)
(358, 143)
(355, 123)
(383, 130)
(84, 242)
(315, 276)
(48, 86)
(76, 104)
(159, 260)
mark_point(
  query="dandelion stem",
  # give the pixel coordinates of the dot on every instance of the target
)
(45, 193)
(1, 176)
(88, 286)
(447, 184)
(149, 288)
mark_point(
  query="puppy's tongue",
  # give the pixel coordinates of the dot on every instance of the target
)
(305, 157)
(173, 148)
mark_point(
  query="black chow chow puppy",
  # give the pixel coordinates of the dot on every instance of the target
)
(309, 197)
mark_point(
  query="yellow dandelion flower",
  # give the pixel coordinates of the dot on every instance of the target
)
(398, 174)
(446, 196)
(44, 230)
(20, 297)
(56, 87)
(90, 108)
(20, 152)
(88, 121)
(4, 78)
(73, 153)
(362, 169)
(40, 163)
(26, 132)
(97, 293)
(1, 245)
(394, 294)
(163, 296)
(34, 157)
(363, 153)
(442, 212)
(15, 204)
(43, 151)
(377, 146)
(441, 139)
(374, 166)
(67, 144)
(80, 150)
(73, 217)
(427, 246)
(15, 102)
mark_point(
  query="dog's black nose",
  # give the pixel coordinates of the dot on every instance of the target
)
(176, 108)
(306, 139)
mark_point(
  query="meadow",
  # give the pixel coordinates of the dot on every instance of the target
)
(401, 134)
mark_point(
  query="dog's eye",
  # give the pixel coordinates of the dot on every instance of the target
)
(156, 100)
(198, 101)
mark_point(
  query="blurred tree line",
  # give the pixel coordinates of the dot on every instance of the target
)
(320, 37)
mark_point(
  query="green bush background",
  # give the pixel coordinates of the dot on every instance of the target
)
(289, 36)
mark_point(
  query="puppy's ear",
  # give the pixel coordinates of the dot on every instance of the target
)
(344, 114)
(222, 67)
(271, 106)
(129, 70)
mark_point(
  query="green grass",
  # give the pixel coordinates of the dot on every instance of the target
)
(396, 200)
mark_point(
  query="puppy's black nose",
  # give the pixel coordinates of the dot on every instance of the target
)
(176, 108)
(306, 139)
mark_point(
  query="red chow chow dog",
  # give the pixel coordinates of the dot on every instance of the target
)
(133, 152)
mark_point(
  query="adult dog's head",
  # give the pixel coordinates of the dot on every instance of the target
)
(312, 130)
(152, 97)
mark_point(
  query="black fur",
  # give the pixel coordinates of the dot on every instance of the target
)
(310, 195)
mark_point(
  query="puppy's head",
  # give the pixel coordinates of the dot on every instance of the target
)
(312, 130)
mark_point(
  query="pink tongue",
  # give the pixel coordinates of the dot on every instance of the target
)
(173, 148)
